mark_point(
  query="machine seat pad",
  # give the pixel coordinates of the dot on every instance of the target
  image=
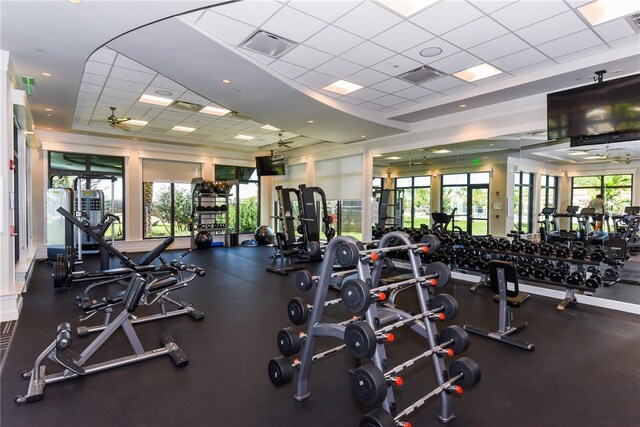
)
(162, 284)
(115, 298)
(513, 301)
(95, 304)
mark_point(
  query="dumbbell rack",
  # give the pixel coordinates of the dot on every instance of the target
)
(212, 219)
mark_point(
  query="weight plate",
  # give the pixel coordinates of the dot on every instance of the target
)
(459, 336)
(468, 368)
(387, 266)
(304, 280)
(431, 241)
(378, 418)
(313, 248)
(280, 371)
(355, 295)
(440, 271)
(347, 254)
(289, 342)
(59, 276)
(298, 311)
(369, 385)
(360, 340)
(448, 304)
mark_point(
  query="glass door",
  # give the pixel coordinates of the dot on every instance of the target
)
(478, 203)
(455, 201)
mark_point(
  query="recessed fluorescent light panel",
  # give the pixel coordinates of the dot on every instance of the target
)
(577, 153)
(268, 44)
(607, 10)
(440, 151)
(183, 129)
(377, 155)
(342, 87)
(394, 158)
(155, 100)
(215, 111)
(478, 72)
(593, 157)
(406, 8)
(244, 137)
(136, 122)
(269, 127)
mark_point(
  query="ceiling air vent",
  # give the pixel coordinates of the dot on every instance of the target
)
(268, 44)
(421, 75)
(634, 21)
(188, 106)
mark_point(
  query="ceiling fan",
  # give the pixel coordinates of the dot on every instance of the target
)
(282, 143)
(117, 122)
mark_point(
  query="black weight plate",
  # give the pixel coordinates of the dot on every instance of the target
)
(468, 368)
(448, 303)
(289, 342)
(59, 276)
(459, 336)
(378, 418)
(355, 295)
(611, 273)
(298, 311)
(369, 385)
(431, 241)
(440, 271)
(280, 371)
(347, 255)
(360, 340)
(330, 233)
(304, 280)
(313, 248)
(387, 266)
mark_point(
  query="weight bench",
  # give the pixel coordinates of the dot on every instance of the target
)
(503, 279)
(284, 252)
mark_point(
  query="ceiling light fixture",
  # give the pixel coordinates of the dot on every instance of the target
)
(309, 121)
(183, 129)
(155, 100)
(377, 155)
(164, 92)
(394, 158)
(225, 81)
(478, 72)
(244, 137)
(440, 151)
(216, 111)
(429, 52)
(342, 87)
(136, 122)
(462, 105)
(48, 109)
(601, 11)
(406, 8)
(577, 153)
(593, 157)
(269, 127)
(49, 115)
(46, 74)
(268, 44)
(363, 136)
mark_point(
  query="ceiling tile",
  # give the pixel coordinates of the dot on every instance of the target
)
(389, 100)
(456, 62)
(405, 105)
(85, 103)
(315, 80)
(414, 92)
(492, 79)
(305, 56)
(334, 40)
(403, 36)
(533, 67)
(288, 70)
(366, 94)
(457, 89)
(523, 13)
(571, 43)
(552, 28)
(293, 25)
(97, 68)
(614, 30)
(392, 85)
(116, 102)
(193, 16)
(447, 50)
(445, 16)
(339, 68)
(104, 55)
(488, 6)
(254, 13)
(502, 46)
(371, 106)
(519, 59)
(367, 54)
(577, 3)
(124, 62)
(367, 20)
(93, 79)
(189, 96)
(88, 96)
(131, 96)
(367, 77)
(443, 83)
(320, 10)
(90, 88)
(599, 48)
(386, 110)
(125, 85)
(224, 28)
(631, 40)
(429, 97)
(474, 33)
(131, 75)
(396, 65)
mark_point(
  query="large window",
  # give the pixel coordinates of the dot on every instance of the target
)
(466, 197)
(548, 191)
(244, 203)
(523, 201)
(98, 173)
(616, 189)
(167, 209)
(347, 217)
(417, 200)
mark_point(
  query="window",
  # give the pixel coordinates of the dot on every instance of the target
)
(97, 173)
(523, 201)
(417, 200)
(616, 189)
(244, 211)
(350, 218)
(548, 191)
(166, 209)
(468, 195)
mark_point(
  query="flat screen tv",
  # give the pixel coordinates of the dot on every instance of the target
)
(270, 165)
(610, 107)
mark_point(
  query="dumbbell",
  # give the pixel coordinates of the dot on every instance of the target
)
(598, 255)
(290, 340)
(540, 273)
(545, 249)
(594, 281)
(579, 253)
(562, 252)
(369, 384)
(525, 271)
(576, 279)
(281, 370)
(63, 336)
(530, 248)
(564, 266)
(299, 311)
(611, 273)
(517, 247)
(557, 275)
(305, 280)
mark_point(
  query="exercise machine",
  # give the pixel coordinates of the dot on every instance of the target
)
(311, 220)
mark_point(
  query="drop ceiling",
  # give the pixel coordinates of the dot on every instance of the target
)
(123, 52)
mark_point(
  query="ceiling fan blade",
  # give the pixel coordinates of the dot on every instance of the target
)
(123, 126)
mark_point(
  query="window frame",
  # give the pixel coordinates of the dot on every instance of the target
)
(518, 188)
(239, 177)
(412, 188)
